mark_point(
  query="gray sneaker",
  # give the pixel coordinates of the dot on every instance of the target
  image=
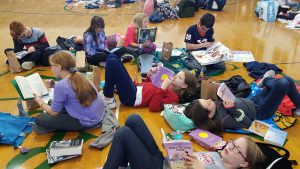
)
(269, 73)
(28, 65)
(108, 102)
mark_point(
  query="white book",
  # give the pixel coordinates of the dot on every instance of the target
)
(212, 55)
(224, 92)
(275, 136)
(66, 147)
(30, 85)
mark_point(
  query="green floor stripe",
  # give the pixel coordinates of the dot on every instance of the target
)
(4, 73)
(44, 165)
(12, 98)
(234, 67)
(35, 112)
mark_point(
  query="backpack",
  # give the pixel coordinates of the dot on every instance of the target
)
(273, 159)
(65, 43)
(186, 8)
(238, 85)
(156, 17)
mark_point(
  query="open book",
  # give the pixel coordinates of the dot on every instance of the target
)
(21, 54)
(63, 150)
(30, 85)
(224, 92)
(160, 75)
(176, 149)
(147, 34)
(214, 54)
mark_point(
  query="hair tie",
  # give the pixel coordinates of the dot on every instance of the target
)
(73, 70)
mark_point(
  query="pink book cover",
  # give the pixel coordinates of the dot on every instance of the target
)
(160, 75)
(205, 138)
(175, 150)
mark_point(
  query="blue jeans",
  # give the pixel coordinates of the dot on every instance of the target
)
(117, 75)
(135, 145)
(268, 100)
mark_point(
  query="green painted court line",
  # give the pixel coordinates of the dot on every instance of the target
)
(35, 112)
(4, 73)
(11, 98)
(234, 66)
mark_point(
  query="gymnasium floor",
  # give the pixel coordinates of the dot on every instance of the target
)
(237, 27)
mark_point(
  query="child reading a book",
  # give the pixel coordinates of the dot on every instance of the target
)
(215, 116)
(31, 40)
(144, 94)
(135, 145)
(76, 104)
(131, 43)
(94, 42)
(201, 35)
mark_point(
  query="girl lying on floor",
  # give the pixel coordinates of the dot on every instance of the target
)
(144, 94)
(215, 116)
(135, 145)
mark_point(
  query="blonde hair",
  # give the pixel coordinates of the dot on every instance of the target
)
(84, 90)
(254, 155)
(138, 22)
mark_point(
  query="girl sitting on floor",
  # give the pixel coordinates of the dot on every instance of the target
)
(76, 104)
(94, 42)
(144, 94)
(135, 145)
(140, 20)
(229, 114)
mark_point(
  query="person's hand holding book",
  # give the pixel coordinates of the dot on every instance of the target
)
(206, 44)
(152, 71)
(165, 84)
(228, 104)
(50, 83)
(192, 162)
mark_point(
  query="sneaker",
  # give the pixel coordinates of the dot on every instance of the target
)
(6, 62)
(269, 73)
(297, 112)
(108, 102)
(28, 65)
(126, 58)
(102, 64)
(40, 130)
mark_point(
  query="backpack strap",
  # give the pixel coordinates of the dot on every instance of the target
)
(275, 161)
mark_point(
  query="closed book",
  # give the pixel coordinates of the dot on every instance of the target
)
(66, 147)
(259, 127)
(160, 75)
(205, 138)
(176, 149)
(275, 136)
(55, 159)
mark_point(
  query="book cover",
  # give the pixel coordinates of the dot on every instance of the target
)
(275, 136)
(176, 149)
(160, 75)
(147, 34)
(224, 92)
(66, 147)
(214, 54)
(205, 138)
(260, 128)
(30, 85)
(241, 56)
(55, 159)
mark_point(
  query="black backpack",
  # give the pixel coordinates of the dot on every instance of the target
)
(273, 159)
(238, 86)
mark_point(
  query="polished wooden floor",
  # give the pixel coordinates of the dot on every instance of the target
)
(237, 27)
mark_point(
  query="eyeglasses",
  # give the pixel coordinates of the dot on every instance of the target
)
(236, 149)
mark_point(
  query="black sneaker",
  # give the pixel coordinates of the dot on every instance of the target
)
(126, 58)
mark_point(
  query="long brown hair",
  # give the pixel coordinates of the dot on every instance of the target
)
(254, 155)
(138, 23)
(16, 29)
(190, 80)
(96, 22)
(199, 116)
(85, 91)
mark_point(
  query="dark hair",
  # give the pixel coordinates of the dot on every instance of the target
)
(16, 29)
(96, 22)
(84, 90)
(207, 20)
(190, 80)
(199, 116)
